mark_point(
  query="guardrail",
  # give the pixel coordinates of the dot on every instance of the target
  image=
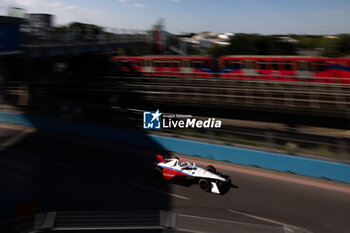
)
(110, 36)
(75, 43)
(293, 141)
(311, 142)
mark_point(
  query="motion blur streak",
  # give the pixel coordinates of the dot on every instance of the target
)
(280, 177)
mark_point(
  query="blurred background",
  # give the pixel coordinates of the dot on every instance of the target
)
(286, 93)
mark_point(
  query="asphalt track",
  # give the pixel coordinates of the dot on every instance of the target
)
(75, 173)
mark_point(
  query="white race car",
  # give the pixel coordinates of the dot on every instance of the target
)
(208, 179)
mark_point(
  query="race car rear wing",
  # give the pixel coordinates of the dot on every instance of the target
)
(160, 158)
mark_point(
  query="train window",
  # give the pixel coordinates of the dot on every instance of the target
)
(197, 64)
(320, 66)
(211, 65)
(274, 65)
(287, 65)
(205, 64)
(235, 64)
(249, 64)
(262, 65)
(185, 63)
(303, 65)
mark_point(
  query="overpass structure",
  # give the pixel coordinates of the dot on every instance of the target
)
(68, 45)
(13, 41)
(71, 46)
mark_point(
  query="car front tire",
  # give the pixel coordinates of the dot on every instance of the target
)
(204, 185)
(158, 173)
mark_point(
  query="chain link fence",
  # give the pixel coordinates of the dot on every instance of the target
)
(99, 103)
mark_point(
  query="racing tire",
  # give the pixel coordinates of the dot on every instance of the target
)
(158, 173)
(204, 185)
(224, 187)
(211, 169)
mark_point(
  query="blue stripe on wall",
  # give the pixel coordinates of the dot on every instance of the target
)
(299, 165)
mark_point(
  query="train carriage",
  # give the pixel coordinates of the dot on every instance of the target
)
(181, 66)
(271, 68)
(286, 68)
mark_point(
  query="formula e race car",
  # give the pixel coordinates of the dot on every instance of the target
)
(209, 180)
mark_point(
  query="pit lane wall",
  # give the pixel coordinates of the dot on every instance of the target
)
(280, 162)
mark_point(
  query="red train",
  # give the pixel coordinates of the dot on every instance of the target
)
(274, 68)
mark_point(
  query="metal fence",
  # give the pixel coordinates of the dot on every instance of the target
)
(274, 137)
(331, 99)
(98, 102)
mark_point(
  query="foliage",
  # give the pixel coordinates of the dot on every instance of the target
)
(254, 44)
(338, 47)
(81, 28)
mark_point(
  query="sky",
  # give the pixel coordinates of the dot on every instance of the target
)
(184, 16)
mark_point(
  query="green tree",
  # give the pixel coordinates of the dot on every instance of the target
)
(254, 44)
(337, 47)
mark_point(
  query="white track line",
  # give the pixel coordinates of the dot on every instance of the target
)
(288, 227)
(159, 191)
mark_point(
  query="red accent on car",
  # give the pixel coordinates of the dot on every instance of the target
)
(160, 158)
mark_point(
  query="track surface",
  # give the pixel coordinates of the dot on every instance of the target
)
(74, 173)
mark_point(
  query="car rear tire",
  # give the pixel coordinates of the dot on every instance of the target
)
(158, 173)
(211, 169)
(204, 185)
(224, 187)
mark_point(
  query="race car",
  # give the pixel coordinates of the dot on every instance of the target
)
(209, 180)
